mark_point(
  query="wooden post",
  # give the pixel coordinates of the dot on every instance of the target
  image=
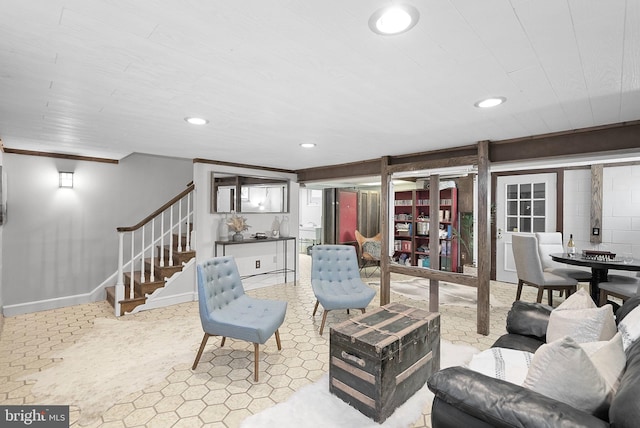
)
(385, 275)
(119, 290)
(484, 239)
(596, 203)
(434, 240)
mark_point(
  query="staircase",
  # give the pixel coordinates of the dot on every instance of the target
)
(149, 262)
(141, 289)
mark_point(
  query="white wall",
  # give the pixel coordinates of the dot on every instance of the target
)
(621, 209)
(620, 206)
(62, 243)
(271, 256)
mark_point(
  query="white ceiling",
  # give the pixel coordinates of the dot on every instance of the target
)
(110, 77)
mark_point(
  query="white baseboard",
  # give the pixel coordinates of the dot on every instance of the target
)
(186, 294)
(55, 303)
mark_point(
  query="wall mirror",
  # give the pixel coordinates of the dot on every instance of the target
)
(247, 194)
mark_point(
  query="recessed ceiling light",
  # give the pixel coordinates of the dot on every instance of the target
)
(307, 145)
(196, 120)
(490, 102)
(394, 19)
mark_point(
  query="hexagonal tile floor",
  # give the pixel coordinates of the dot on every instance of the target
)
(221, 391)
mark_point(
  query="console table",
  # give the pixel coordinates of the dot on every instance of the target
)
(273, 241)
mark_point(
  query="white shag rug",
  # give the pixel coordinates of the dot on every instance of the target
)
(315, 404)
(94, 373)
(450, 294)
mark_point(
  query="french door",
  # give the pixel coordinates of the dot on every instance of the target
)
(524, 204)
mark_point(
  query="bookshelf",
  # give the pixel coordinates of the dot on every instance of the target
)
(411, 228)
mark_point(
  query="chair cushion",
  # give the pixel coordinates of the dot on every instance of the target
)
(372, 248)
(577, 274)
(622, 279)
(345, 294)
(247, 318)
(628, 289)
(553, 279)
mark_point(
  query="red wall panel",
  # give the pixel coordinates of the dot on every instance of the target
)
(348, 216)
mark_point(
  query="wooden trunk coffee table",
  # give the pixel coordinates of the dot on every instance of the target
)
(380, 359)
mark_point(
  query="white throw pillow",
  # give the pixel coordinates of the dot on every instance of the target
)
(581, 299)
(583, 325)
(501, 363)
(562, 370)
(629, 328)
(609, 358)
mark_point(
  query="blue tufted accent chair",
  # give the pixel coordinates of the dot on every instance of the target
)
(225, 310)
(335, 279)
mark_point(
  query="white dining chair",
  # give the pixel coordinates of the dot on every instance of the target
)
(530, 271)
(619, 286)
(551, 242)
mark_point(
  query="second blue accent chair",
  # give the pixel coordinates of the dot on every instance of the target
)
(225, 310)
(335, 279)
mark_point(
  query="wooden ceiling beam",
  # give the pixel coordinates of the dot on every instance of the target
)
(619, 137)
(355, 169)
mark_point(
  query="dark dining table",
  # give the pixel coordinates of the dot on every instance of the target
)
(599, 268)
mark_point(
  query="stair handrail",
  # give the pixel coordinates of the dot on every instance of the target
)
(160, 212)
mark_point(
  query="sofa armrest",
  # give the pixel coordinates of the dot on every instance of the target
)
(519, 342)
(529, 319)
(504, 404)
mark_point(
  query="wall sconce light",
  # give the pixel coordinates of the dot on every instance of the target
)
(66, 180)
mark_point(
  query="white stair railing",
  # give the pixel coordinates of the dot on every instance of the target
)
(143, 240)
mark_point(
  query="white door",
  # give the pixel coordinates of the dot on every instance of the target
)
(524, 204)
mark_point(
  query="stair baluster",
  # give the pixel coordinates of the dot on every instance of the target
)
(188, 223)
(152, 274)
(142, 267)
(133, 257)
(162, 239)
(180, 225)
(141, 286)
(171, 237)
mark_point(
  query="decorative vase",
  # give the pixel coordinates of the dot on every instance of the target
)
(237, 237)
(284, 227)
(223, 230)
(275, 227)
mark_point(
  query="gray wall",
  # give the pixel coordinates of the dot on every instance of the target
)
(1, 230)
(63, 242)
